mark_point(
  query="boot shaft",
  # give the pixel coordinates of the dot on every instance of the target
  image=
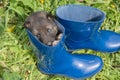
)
(80, 22)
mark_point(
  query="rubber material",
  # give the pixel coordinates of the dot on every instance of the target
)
(56, 60)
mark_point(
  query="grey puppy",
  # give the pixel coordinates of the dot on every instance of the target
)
(42, 25)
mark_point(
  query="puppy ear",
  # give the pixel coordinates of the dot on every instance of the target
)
(50, 16)
(27, 24)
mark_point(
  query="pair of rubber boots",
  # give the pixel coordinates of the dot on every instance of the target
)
(81, 31)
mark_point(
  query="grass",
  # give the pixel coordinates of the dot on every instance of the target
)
(17, 61)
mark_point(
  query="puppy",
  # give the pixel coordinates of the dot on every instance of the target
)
(42, 25)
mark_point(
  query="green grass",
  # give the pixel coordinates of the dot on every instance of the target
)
(17, 61)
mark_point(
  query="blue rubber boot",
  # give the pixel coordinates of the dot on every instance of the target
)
(82, 29)
(56, 60)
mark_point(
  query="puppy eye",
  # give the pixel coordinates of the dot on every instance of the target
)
(49, 30)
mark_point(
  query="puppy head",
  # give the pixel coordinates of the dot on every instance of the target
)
(43, 26)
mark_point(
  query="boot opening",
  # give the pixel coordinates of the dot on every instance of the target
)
(80, 13)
